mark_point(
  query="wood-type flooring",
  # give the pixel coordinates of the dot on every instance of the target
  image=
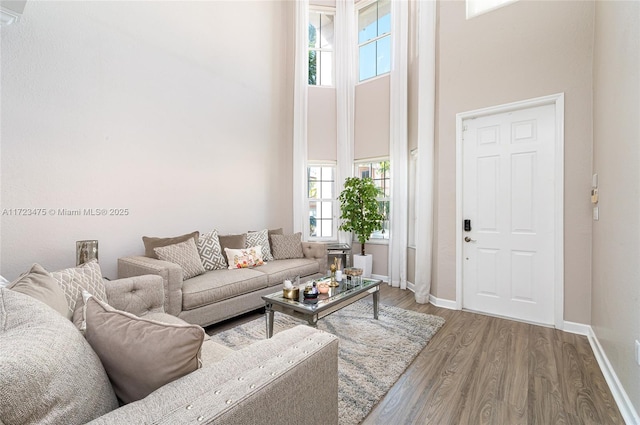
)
(485, 370)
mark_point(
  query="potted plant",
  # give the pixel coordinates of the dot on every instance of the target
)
(360, 214)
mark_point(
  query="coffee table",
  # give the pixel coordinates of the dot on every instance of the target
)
(313, 310)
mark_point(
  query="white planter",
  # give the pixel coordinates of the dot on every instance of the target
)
(363, 262)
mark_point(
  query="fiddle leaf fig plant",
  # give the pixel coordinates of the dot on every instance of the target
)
(359, 208)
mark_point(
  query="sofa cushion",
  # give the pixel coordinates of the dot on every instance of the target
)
(211, 252)
(232, 241)
(245, 257)
(185, 254)
(151, 243)
(86, 277)
(213, 352)
(48, 372)
(220, 285)
(287, 246)
(38, 284)
(279, 270)
(140, 355)
(260, 238)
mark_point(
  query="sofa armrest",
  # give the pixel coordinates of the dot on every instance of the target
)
(170, 273)
(269, 381)
(138, 295)
(316, 251)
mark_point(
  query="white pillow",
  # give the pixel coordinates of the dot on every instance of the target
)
(244, 258)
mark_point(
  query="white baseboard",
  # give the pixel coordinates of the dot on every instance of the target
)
(441, 302)
(620, 396)
(379, 276)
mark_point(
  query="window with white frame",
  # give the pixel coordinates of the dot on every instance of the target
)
(321, 201)
(321, 54)
(380, 173)
(374, 39)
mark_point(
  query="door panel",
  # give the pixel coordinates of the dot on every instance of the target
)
(508, 194)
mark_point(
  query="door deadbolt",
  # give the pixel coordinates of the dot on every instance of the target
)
(468, 239)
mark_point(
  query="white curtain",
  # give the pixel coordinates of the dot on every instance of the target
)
(426, 136)
(300, 116)
(399, 144)
(345, 96)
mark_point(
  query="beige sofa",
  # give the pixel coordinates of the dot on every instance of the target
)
(50, 374)
(218, 295)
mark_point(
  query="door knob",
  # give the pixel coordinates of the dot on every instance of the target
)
(468, 239)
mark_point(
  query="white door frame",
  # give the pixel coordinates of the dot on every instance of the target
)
(558, 101)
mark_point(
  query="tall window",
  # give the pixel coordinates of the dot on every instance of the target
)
(321, 34)
(374, 39)
(321, 201)
(380, 172)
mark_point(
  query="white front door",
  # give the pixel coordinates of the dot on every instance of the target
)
(508, 165)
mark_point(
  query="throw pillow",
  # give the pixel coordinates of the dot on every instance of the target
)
(260, 238)
(287, 246)
(244, 258)
(48, 372)
(210, 251)
(38, 284)
(150, 244)
(86, 277)
(140, 355)
(233, 241)
(272, 232)
(185, 254)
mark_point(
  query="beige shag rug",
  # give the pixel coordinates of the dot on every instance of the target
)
(372, 355)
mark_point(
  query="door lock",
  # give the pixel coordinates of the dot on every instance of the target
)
(468, 239)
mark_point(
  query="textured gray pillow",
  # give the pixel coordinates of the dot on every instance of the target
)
(261, 239)
(151, 243)
(140, 355)
(211, 252)
(233, 242)
(86, 277)
(287, 246)
(38, 284)
(48, 371)
(185, 254)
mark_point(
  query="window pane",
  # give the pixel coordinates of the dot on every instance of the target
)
(326, 68)
(313, 190)
(327, 210)
(314, 29)
(384, 17)
(313, 68)
(327, 190)
(367, 60)
(314, 173)
(327, 228)
(326, 32)
(384, 55)
(367, 23)
(327, 173)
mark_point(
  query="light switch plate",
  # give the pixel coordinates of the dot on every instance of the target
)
(596, 214)
(638, 352)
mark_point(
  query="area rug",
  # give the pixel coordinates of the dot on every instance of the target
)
(372, 354)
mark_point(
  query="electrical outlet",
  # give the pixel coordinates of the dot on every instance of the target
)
(638, 352)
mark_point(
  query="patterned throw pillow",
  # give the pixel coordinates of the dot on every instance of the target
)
(287, 246)
(74, 280)
(185, 254)
(260, 238)
(244, 258)
(211, 252)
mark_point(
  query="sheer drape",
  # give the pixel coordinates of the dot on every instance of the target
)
(300, 116)
(426, 136)
(345, 96)
(399, 144)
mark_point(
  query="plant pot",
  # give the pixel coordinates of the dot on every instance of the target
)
(364, 262)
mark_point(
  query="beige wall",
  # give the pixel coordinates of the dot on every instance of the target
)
(372, 119)
(380, 253)
(321, 124)
(616, 236)
(178, 111)
(525, 50)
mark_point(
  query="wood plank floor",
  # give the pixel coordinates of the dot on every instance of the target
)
(484, 370)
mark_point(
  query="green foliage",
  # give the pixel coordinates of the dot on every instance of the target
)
(313, 59)
(359, 208)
